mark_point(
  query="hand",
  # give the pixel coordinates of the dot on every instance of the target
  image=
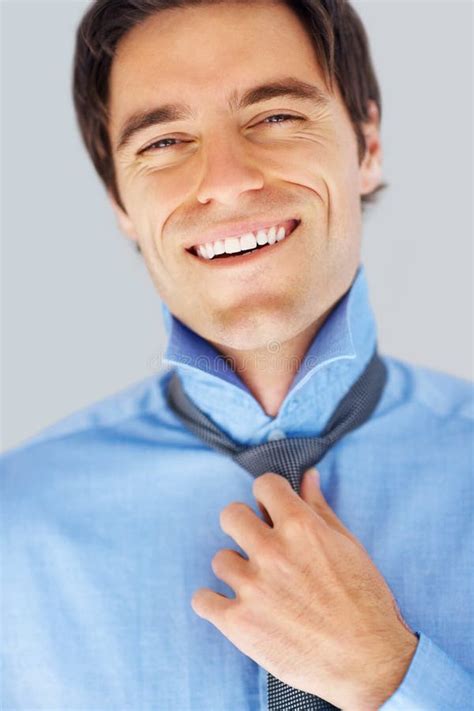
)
(311, 608)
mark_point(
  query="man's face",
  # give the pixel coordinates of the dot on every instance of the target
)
(284, 160)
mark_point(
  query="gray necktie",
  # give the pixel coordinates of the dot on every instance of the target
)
(289, 457)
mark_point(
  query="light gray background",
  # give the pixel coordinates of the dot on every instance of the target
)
(81, 319)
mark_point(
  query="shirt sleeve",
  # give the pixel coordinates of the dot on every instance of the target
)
(433, 681)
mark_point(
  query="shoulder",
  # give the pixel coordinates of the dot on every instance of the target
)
(123, 411)
(96, 465)
(437, 393)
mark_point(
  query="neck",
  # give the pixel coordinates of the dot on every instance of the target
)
(269, 371)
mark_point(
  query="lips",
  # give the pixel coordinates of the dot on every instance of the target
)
(247, 257)
(240, 229)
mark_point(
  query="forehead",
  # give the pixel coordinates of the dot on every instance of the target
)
(200, 54)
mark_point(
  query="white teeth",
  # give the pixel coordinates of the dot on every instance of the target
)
(262, 237)
(248, 241)
(232, 245)
(209, 250)
(219, 247)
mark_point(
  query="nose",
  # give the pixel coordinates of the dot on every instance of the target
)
(227, 171)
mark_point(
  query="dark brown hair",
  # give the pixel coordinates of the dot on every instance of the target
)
(338, 37)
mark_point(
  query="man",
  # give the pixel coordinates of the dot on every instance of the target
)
(238, 142)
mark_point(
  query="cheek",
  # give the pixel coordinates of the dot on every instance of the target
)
(153, 199)
(169, 187)
(315, 162)
(158, 190)
(335, 176)
(302, 162)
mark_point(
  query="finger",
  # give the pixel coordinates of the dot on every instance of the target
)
(276, 494)
(228, 565)
(312, 494)
(211, 605)
(242, 523)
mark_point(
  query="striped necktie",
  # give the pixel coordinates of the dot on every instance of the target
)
(289, 457)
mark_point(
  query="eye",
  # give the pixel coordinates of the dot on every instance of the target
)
(160, 147)
(286, 117)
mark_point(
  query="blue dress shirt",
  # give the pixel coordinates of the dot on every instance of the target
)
(110, 519)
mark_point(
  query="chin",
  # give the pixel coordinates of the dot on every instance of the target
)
(252, 334)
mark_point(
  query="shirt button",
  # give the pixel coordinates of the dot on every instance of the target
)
(276, 434)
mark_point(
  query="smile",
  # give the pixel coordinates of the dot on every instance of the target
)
(247, 243)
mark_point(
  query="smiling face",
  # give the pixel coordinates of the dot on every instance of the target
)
(232, 161)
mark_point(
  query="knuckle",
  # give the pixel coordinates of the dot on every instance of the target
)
(231, 511)
(244, 617)
(246, 588)
(218, 561)
(262, 481)
(282, 562)
(223, 558)
(228, 619)
(266, 546)
(320, 509)
(271, 554)
(293, 525)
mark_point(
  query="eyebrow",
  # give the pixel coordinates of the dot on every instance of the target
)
(288, 87)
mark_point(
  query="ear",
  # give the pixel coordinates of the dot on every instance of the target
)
(124, 222)
(370, 171)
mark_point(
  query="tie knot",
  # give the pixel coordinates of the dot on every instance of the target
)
(289, 457)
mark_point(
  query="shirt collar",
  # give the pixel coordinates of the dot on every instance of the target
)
(334, 360)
